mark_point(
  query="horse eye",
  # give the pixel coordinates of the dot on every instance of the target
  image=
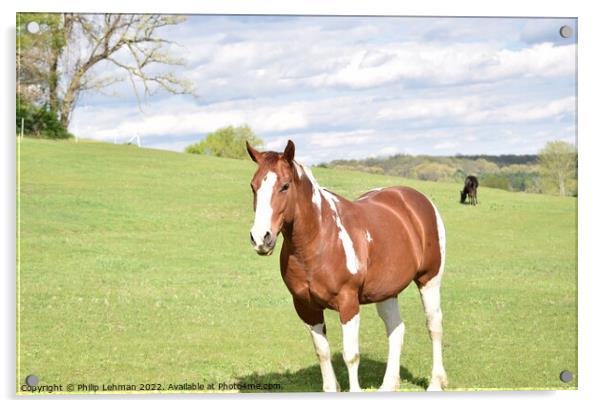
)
(284, 187)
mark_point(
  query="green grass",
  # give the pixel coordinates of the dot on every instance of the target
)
(135, 267)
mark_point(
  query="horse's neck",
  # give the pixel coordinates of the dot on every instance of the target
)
(304, 231)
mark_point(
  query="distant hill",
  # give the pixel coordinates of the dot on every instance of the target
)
(508, 172)
(503, 159)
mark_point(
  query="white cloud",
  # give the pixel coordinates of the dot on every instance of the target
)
(177, 118)
(445, 145)
(477, 109)
(523, 112)
(335, 139)
(388, 151)
(279, 120)
(445, 64)
(277, 144)
(423, 108)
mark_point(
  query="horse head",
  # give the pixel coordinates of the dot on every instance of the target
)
(273, 195)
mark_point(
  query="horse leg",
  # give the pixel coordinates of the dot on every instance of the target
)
(349, 313)
(314, 320)
(388, 311)
(431, 300)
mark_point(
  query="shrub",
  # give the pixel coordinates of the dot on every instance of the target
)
(40, 121)
(495, 181)
(227, 142)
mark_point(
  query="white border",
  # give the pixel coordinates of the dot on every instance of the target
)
(590, 283)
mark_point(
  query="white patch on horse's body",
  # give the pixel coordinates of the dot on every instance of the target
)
(315, 196)
(263, 211)
(431, 300)
(388, 310)
(329, 381)
(299, 169)
(350, 256)
(351, 351)
(436, 280)
(368, 236)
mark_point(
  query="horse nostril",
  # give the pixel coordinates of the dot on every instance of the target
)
(252, 240)
(267, 238)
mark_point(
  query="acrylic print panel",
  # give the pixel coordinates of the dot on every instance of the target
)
(141, 214)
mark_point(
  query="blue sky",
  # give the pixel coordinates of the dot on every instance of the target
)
(354, 87)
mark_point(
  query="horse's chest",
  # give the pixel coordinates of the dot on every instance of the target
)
(308, 284)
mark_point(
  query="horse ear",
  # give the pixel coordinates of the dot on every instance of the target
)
(255, 155)
(289, 152)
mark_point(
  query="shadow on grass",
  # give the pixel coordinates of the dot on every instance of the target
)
(309, 379)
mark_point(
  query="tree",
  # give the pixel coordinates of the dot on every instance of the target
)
(227, 142)
(59, 62)
(558, 164)
(433, 171)
(494, 180)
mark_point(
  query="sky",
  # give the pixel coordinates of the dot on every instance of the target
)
(355, 87)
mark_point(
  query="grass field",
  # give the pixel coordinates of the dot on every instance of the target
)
(135, 267)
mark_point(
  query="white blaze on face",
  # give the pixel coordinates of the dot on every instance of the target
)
(263, 210)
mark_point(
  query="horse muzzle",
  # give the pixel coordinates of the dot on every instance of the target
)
(264, 245)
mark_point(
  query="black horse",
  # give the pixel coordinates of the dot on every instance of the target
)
(470, 189)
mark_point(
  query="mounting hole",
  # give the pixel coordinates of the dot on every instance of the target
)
(566, 31)
(566, 376)
(33, 27)
(32, 380)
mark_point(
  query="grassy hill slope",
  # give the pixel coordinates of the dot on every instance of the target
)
(135, 267)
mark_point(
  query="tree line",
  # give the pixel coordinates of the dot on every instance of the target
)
(553, 170)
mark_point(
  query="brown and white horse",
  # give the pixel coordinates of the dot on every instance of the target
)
(339, 254)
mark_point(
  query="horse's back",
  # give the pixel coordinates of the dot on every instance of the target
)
(399, 199)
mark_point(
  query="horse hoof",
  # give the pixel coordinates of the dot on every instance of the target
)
(438, 383)
(434, 387)
(332, 389)
(390, 387)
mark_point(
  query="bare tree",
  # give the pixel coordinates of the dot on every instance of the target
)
(82, 44)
